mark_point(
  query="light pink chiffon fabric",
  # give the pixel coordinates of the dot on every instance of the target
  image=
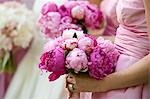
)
(133, 43)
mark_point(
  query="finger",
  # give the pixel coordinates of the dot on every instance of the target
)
(70, 76)
(70, 95)
(71, 88)
(71, 80)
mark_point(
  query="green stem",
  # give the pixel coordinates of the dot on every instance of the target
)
(7, 64)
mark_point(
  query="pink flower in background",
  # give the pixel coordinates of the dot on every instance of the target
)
(103, 60)
(49, 7)
(49, 24)
(78, 15)
(69, 5)
(66, 20)
(64, 11)
(66, 23)
(93, 16)
(86, 44)
(53, 61)
(77, 60)
(77, 12)
(70, 44)
(53, 19)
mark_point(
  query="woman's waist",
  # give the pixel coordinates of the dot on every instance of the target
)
(130, 43)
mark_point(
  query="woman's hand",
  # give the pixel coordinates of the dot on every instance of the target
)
(134, 75)
(84, 83)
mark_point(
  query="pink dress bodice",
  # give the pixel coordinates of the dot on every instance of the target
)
(132, 36)
(131, 15)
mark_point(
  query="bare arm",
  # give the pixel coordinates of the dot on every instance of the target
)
(134, 75)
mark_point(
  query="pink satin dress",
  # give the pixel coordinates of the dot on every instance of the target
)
(133, 43)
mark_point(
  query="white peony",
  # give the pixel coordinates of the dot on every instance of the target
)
(20, 23)
(5, 43)
(70, 33)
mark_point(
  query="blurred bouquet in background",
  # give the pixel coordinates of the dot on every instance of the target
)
(16, 32)
(78, 15)
(76, 52)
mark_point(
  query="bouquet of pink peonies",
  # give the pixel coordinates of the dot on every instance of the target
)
(17, 27)
(78, 53)
(79, 15)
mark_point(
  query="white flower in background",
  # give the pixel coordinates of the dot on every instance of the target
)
(23, 38)
(5, 43)
(17, 25)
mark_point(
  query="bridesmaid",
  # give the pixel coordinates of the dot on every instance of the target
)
(131, 77)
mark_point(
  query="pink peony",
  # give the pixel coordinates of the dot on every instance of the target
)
(108, 47)
(64, 11)
(50, 45)
(66, 23)
(53, 61)
(93, 16)
(49, 24)
(103, 60)
(49, 7)
(77, 60)
(86, 44)
(59, 41)
(78, 12)
(70, 44)
(69, 5)
(66, 20)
